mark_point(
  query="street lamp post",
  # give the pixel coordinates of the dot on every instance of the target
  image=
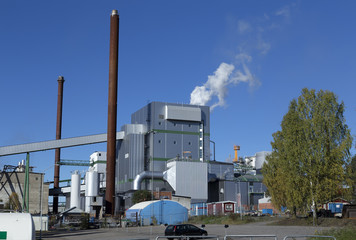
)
(152, 165)
(240, 200)
(152, 159)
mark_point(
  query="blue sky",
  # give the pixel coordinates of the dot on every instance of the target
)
(252, 57)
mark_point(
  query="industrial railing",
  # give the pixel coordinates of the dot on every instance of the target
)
(308, 236)
(189, 237)
(250, 236)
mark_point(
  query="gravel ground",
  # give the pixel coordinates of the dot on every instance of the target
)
(140, 233)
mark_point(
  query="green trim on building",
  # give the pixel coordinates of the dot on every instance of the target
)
(179, 132)
(180, 159)
(175, 132)
(96, 162)
(161, 159)
(3, 235)
(122, 181)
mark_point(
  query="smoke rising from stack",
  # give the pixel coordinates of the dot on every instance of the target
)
(250, 38)
(225, 76)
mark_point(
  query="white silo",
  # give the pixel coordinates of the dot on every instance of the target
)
(75, 190)
(91, 184)
(261, 158)
(91, 188)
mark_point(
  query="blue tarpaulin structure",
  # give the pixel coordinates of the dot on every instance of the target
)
(198, 209)
(163, 211)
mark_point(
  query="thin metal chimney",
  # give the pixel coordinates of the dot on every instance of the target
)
(112, 112)
(58, 136)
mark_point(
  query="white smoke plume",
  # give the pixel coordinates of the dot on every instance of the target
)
(218, 83)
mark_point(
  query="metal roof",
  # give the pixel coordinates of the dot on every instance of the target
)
(250, 178)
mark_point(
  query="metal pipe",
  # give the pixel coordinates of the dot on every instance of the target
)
(28, 182)
(112, 112)
(214, 148)
(57, 156)
(26, 194)
(145, 175)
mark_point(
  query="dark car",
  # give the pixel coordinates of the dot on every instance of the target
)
(184, 230)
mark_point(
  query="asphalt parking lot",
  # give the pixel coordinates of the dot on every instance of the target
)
(141, 233)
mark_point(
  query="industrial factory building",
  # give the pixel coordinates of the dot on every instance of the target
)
(166, 148)
(169, 144)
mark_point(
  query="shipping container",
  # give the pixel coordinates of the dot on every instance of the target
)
(267, 211)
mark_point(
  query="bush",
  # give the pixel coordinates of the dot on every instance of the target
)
(84, 221)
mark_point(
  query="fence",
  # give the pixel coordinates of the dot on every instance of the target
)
(308, 236)
(251, 237)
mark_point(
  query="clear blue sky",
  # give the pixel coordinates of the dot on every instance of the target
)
(261, 53)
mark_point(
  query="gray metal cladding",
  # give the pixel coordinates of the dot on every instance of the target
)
(162, 131)
(183, 113)
(136, 157)
(131, 160)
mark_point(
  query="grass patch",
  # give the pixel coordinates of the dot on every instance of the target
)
(232, 219)
(322, 222)
(345, 233)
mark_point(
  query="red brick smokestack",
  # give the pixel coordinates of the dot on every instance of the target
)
(112, 112)
(58, 136)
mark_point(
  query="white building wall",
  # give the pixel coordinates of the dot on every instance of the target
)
(98, 162)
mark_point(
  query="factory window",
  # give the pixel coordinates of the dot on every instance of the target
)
(159, 123)
(189, 143)
(174, 124)
(189, 125)
(174, 142)
(159, 141)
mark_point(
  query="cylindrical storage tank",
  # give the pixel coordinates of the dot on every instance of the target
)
(87, 208)
(91, 184)
(75, 190)
(14, 226)
(261, 158)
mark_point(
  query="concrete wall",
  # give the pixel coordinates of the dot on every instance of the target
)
(15, 182)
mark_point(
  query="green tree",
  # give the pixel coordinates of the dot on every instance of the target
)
(141, 196)
(310, 154)
(13, 203)
(353, 178)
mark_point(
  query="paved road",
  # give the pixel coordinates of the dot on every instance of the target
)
(152, 232)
